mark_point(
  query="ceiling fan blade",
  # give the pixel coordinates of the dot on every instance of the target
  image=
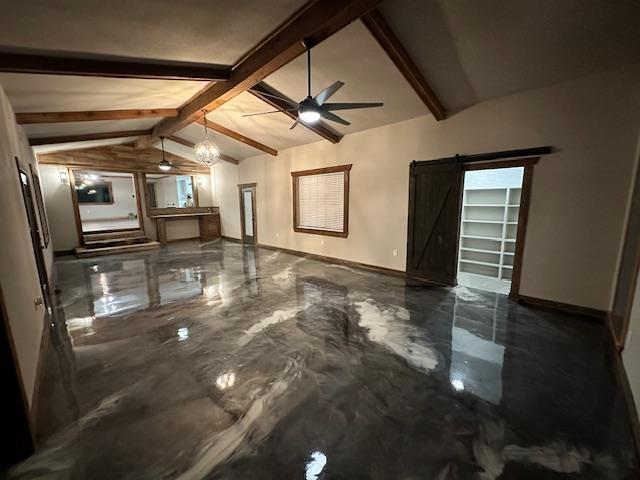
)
(334, 118)
(266, 113)
(324, 95)
(348, 106)
(290, 102)
(295, 124)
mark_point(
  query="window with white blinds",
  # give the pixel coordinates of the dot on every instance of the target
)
(321, 203)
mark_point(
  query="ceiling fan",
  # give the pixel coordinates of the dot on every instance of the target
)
(312, 109)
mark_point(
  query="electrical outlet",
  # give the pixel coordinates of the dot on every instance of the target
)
(395, 252)
(277, 235)
(322, 241)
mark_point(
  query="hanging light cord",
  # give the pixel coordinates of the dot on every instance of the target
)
(162, 143)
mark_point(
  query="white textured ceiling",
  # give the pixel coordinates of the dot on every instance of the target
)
(80, 128)
(62, 147)
(218, 32)
(62, 93)
(472, 50)
(469, 51)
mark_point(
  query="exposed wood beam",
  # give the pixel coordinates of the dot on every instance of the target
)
(189, 144)
(317, 21)
(320, 127)
(90, 116)
(122, 158)
(237, 136)
(110, 67)
(86, 137)
(382, 32)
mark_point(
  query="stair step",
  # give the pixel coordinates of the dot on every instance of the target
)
(114, 242)
(90, 237)
(82, 252)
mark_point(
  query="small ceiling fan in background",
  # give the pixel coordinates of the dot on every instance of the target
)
(312, 109)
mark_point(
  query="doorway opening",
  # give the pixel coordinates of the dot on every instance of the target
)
(489, 228)
(248, 213)
(106, 201)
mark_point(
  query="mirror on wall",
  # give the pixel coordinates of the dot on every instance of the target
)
(171, 191)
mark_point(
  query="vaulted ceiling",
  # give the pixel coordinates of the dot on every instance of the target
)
(468, 51)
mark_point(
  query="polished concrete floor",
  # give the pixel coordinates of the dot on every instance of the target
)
(221, 361)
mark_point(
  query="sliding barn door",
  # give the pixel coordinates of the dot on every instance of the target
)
(435, 203)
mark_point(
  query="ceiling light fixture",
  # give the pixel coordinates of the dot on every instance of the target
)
(164, 164)
(206, 152)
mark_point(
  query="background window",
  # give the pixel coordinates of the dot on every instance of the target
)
(321, 201)
(95, 193)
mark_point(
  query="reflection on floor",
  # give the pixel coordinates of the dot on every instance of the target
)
(221, 361)
(110, 224)
(484, 283)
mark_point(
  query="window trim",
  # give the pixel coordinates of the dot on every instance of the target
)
(317, 171)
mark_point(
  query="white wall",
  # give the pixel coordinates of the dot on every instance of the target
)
(579, 193)
(124, 201)
(57, 197)
(18, 272)
(224, 177)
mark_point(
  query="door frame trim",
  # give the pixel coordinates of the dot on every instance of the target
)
(252, 186)
(523, 213)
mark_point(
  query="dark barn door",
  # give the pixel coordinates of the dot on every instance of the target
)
(435, 202)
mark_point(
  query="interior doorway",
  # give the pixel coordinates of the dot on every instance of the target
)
(34, 231)
(248, 222)
(489, 228)
(106, 201)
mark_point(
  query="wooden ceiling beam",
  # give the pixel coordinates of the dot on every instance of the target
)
(189, 144)
(43, 63)
(381, 31)
(318, 20)
(91, 116)
(237, 136)
(264, 92)
(87, 137)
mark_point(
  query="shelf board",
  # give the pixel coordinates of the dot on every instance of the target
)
(479, 250)
(510, 240)
(508, 266)
(513, 206)
(511, 223)
(478, 237)
(508, 253)
(476, 262)
(497, 222)
(491, 205)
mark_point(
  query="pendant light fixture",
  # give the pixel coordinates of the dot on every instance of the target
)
(165, 164)
(206, 152)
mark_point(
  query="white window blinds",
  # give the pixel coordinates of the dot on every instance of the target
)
(321, 201)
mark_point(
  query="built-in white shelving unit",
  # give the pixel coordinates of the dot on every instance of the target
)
(488, 231)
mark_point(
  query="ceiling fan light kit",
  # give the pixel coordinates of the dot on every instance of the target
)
(312, 109)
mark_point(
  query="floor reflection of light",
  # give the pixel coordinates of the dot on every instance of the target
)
(94, 268)
(457, 384)
(226, 380)
(315, 466)
(183, 334)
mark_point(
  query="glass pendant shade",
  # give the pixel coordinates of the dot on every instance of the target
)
(206, 152)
